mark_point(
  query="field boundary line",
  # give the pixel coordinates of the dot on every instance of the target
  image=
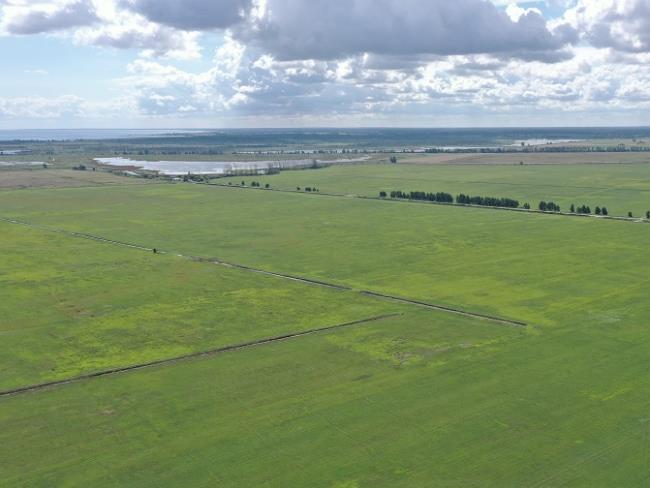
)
(216, 261)
(190, 356)
(299, 279)
(73, 233)
(426, 202)
(84, 187)
(308, 281)
(514, 323)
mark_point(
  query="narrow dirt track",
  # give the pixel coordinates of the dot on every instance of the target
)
(75, 234)
(442, 308)
(185, 357)
(299, 279)
(216, 261)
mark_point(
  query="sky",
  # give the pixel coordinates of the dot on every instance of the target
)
(323, 63)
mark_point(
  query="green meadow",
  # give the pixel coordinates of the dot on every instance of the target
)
(535, 268)
(421, 398)
(622, 188)
(71, 306)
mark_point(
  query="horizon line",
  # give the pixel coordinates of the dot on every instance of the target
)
(315, 127)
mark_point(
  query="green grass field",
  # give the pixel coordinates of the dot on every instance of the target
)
(619, 187)
(110, 306)
(537, 268)
(340, 407)
(424, 398)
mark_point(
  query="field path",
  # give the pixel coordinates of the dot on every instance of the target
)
(299, 279)
(194, 355)
(514, 323)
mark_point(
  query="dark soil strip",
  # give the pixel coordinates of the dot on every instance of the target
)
(195, 355)
(491, 318)
(85, 187)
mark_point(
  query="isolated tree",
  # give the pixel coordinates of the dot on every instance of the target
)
(243, 183)
(597, 211)
(629, 214)
(267, 186)
(604, 211)
(382, 194)
(572, 208)
(393, 159)
(527, 206)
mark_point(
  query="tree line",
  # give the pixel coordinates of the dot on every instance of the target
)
(253, 184)
(585, 209)
(549, 207)
(503, 202)
(442, 197)
(487, 201)
(420, 195)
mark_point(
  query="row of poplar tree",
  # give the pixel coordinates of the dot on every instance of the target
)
(462, 199)
(443, 197)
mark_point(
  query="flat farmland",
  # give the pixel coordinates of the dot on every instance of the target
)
(363, 405)
(418, 397)
(109, 306)
(529, 267)
(619, 187)
(561, 158)
(39, 178)
(372, 406)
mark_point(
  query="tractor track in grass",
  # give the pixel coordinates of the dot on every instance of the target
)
(190, 356)
(299, 279)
